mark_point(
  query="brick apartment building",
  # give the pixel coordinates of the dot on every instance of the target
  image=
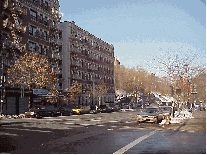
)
(28, 25)
(87, 60)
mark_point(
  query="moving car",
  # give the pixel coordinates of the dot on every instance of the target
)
(166, 110)
(150, 114)
(81, 110)
(48, 110)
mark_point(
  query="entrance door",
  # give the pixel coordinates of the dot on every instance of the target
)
(23, 104)
(11, 105)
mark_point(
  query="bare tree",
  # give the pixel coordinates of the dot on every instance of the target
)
(32, 71)
(73, 92)
(97, 91)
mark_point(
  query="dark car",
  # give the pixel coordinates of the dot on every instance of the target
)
(116, 108)
(65, 111)
(150, 114)
(109, 109)
(104, 109)
(49, 110)
(94, 109)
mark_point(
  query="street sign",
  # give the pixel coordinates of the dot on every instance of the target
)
(40, 91)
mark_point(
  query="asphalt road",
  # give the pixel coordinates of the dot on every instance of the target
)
(102, 134)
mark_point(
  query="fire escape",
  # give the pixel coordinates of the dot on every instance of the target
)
(56, 57)
(12, 32)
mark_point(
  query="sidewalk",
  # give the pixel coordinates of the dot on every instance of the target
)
(196, 124)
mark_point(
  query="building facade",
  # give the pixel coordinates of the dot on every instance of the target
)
(87, 60)
(28, 26)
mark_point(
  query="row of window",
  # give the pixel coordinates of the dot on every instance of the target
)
(41, 3)
(91, 54)
(41, 19)
(90, 65)
(90, 42)
(86, 100)
(91, 76)
(42, 49)
(33, 32)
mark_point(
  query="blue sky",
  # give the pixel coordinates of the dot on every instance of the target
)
(144, 32)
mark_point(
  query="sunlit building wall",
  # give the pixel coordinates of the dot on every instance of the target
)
(88, 60)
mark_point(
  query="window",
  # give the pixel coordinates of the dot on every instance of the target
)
(72, 47)
(40, 49)
(32, 46)
(34, 1)
(45, 20)
(46, 5)
(41, 2)
(45, 50)
(60, 48)
(53, 23)
(60, 34)
(33, 15)
(32, 31)
(41, 18)
(4, 36)
(52, 68)
(45, 35)
(40, 33)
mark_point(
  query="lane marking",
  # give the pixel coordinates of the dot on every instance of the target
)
(113, 121)
(73, 119)
(100, 125)
(28, 130)
(8, 134)
(130, 145)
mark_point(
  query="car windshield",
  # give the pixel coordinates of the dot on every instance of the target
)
(48, 107)
(150, 110)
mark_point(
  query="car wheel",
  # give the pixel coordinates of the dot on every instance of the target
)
(156, 120)
(52, 114)
(38, 115)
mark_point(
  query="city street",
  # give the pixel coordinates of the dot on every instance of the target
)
(107, 133)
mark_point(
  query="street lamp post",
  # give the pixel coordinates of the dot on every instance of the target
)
(2, 77)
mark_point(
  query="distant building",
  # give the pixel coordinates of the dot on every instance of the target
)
(28, 25)
(87, 60)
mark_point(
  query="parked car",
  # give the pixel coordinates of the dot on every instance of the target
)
(109, 109)
(81, 110)
(65, 111)
(104, 109)
(31, 113)
(116, 108)
(49, 110)
(125, 107)
(150, 114)
(94, 109)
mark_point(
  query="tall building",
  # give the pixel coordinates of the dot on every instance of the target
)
(28, 25)
(87, 60)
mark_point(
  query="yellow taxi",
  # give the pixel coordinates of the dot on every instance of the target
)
(81, 110)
